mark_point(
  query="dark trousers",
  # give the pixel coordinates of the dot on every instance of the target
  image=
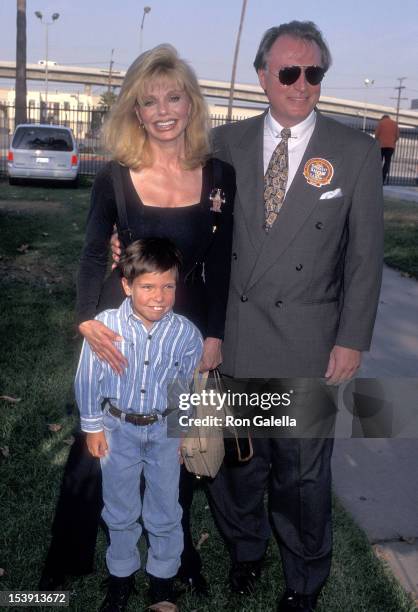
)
(77, 516)
(297, 474)
(387, 153)
(191, 563)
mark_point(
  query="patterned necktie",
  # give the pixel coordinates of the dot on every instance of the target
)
(275, 180)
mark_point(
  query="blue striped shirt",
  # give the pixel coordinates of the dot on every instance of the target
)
(168, 352)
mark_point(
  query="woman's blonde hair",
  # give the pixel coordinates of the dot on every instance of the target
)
(122, 134)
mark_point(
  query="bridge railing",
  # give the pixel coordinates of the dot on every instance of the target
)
(86, 123)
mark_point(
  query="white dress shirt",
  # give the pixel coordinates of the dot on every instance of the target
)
(298, 141)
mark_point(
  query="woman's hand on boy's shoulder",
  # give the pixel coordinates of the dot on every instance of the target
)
(101, 340)
(96, 443)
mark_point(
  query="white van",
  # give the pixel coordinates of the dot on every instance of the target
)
(43, 152)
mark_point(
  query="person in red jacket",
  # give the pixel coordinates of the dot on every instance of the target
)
(387, 133)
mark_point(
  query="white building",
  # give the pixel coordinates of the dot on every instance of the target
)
(75, 110)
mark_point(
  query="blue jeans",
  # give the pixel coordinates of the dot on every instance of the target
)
(131, 450)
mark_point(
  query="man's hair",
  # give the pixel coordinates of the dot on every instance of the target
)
(304, 30)
(122, 135)
(385, 117)
(150, 255)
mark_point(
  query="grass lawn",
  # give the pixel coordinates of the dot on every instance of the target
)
(42, 231)
(401, 236)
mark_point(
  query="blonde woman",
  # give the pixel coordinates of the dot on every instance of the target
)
(158, 133)
(162, 183)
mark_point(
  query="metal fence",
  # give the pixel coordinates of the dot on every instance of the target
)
(86, 123)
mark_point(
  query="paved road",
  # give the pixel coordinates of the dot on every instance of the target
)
(401, 193)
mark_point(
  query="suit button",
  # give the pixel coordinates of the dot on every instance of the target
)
(244, 298)
(279, 303)
(319, 225)
(299, 267)
(234, 256)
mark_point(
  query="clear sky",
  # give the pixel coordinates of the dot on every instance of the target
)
(375, 39)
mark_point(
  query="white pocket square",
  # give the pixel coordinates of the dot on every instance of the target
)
(336, 193)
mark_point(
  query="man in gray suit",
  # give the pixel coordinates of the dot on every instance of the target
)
(306, 274)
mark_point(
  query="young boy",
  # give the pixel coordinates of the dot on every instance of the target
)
(130, 434)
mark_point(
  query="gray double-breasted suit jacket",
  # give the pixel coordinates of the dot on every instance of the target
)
(313, 281)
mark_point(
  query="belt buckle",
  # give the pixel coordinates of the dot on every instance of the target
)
(134, 418)
(152, 418)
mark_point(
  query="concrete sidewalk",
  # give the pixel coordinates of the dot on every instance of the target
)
(401, 193)
(377, 479)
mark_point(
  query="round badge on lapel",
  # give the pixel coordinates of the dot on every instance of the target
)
(318, 171)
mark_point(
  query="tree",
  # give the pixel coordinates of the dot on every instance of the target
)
(107, 99)
(20, 98)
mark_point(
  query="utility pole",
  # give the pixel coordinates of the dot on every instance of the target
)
(234, 64)
(109, 87)
(20, 95)
(398, 97)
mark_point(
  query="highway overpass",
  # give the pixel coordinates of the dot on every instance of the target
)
(244, 94)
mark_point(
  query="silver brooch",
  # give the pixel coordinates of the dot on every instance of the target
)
(217, 197)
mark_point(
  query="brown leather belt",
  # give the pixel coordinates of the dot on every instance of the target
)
(135, 418)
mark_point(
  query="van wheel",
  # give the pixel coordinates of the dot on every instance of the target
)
(14, 181)
(75, 183)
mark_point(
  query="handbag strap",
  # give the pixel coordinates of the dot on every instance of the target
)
(220, 388)
(125, 234)
(216, 172)
(200, 380)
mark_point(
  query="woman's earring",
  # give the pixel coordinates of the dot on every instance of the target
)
(138, 116)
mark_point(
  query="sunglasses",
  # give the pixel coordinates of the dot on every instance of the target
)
(290, 74)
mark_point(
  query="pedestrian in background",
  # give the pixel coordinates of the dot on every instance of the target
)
(387, 133)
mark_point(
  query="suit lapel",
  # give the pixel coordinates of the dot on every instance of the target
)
(301, 200)
(247, 157)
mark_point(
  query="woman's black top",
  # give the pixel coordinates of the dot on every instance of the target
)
(204, 237)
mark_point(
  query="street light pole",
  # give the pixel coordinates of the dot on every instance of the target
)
(147, 9)
(367, 83)
(54, 16)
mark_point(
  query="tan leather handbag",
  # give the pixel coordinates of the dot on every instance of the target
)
(203, 448)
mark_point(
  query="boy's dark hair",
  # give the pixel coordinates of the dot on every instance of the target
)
(150, 255)
(305, 30)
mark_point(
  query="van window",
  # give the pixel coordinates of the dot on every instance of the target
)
(47, 139)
